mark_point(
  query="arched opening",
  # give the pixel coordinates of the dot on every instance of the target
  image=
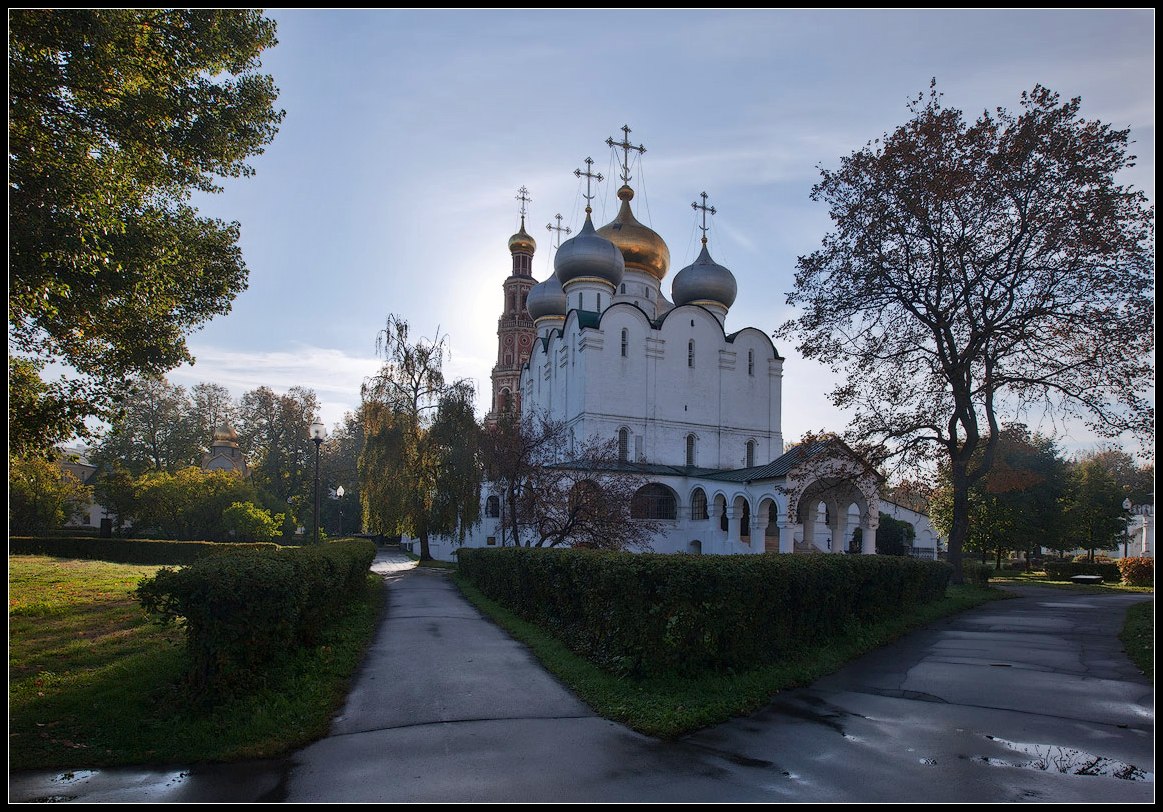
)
(503, 401)
(743, 511)
(771, 532)
(690, 449)
(695, 547)
(625, 341)
(492, 507)
(654, 501)
(750, 454)
(623, 444)
(721, 512)
(698, 505)
(751, 362)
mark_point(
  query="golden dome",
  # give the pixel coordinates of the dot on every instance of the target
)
(521, 241)
(642, 248)
(225, 434)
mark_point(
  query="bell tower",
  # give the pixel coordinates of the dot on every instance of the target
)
(515, 331)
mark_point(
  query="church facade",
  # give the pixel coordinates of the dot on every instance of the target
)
(695, 405)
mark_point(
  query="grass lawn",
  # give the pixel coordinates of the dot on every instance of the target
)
(1138, 636)
(672, 706)
(1042, 579)
(93, 683)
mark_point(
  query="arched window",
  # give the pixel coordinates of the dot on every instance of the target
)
(599, 302)
(772, 521)
(623, 444)
(625, 342)
(698, 505)
(524, 298)
(690, 353)
(503, 400)
(579, 301)
(745, 521)
(654, 501)
(751, 362)
(623, 288)
(492, 507)
(690, 449)
(723, 517)
(750, 454)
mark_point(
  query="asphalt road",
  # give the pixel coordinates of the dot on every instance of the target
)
(1030, 699)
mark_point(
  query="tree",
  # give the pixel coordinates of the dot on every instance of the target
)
(979, 270)
(115, 117)
(154, 433)
(558, 491)
(212, 406)
(339, 467)
(41, 496)
(275, 432)
(1017, 504)
(415, 479)
(246, 521)
(894, 536)
(188, 505)
(1094, 501)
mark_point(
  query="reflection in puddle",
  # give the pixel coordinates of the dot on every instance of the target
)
(1050, 758)
(73, 777)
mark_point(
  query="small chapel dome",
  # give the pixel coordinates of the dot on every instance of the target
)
(640, 245)
(704, 280)
(225, 433)
(546, 299)
(589, 256)
(522, 241)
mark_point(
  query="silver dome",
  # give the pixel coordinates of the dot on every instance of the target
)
(704, 280)
(589, 256)
(546, 299)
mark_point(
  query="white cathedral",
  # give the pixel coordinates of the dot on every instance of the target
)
(694, 405)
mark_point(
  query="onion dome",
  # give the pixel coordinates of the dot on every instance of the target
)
(641, 247)
(522, 241)
(225, 435)
(704, 280)
(589, 256)
(546, 299)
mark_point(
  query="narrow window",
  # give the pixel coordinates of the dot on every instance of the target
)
(751, 362)
(599, 302)
(750, 454)
(698, 505)
(493, 507)
(690, 449)
(623, 444)
(623, 288)
(579, 301)
(625, 341)
(690, 353)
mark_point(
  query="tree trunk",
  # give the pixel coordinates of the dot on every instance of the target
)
(997, 564)
(959, 529)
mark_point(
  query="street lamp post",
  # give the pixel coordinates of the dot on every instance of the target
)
(318, 432)
(339, 497)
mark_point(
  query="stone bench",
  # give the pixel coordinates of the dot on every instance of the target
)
(1086, 579)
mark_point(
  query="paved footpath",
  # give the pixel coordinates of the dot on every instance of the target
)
(986, 706)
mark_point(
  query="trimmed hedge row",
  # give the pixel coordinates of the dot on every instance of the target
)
(1064, 570)
(125, 551)
(978, 574)
(245, 608)
(643, 614)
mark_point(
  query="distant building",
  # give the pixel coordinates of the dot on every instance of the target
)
(928, 542)
(75, 461)
(224, 453)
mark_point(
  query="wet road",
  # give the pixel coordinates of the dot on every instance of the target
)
(987, 706)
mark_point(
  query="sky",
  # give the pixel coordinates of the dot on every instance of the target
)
(391, 186)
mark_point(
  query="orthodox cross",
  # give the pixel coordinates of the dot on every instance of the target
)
(588, 175)
(558, 228)
(705, 208)
(523, 196)
(625, 146)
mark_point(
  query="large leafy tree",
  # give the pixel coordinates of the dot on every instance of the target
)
(275, 432)
(418, 472)
(156, 432)
(115, 117)
(976, 270)
(1098, 484)
(1018, 504)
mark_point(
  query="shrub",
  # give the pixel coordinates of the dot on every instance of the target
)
(41, 495)
(124, 551)
(1065, 570)
(1137, 571)
(646, 614)
(978, 574)
(244, 609)
(246, 521)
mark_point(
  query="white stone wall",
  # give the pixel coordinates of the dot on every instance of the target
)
(928, 541)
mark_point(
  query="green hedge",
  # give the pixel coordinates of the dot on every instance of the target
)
(643, 614)
(978, 574)
(1063, 570)
(125, 551)
(1137, 571)
(245, 608)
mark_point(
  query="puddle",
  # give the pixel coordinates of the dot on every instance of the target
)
(1051, 758)
(929, 762)
(73, 777)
